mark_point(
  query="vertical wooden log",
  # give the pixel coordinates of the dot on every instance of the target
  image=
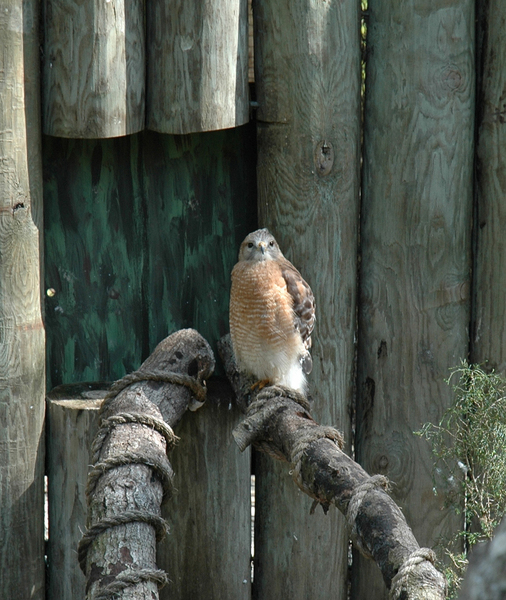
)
(489, 331)
(22, 355)
(308, 79)
(72, 422)
(416, 223)
(207, 554)
(93, 68)
(140, 475)
(197, 65)
(486, 575)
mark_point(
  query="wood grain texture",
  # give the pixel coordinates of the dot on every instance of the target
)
(307, 79)
(201, 201)
(95, 313)
(207, 554)
(22, 341)
(489, 331)
(93, 68)
(416, 223)
(197, 53)
(141, 235)
(71, 425)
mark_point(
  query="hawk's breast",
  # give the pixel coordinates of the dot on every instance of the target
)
(264, 336)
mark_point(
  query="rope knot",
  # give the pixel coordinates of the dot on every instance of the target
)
(409, 568)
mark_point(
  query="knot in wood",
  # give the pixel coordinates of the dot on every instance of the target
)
(324, 157)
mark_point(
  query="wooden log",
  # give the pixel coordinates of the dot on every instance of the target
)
(197, 54)
(307, 61)
(489, 284)
(93, 68)
(72, 422)
(22, 340)
(414, 308)
(279, 423)
(133, 474)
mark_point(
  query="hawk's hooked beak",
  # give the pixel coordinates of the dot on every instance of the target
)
(262, 246)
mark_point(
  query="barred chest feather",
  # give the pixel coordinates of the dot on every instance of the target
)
(265, 339)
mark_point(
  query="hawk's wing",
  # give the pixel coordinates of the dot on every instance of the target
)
(303, 307)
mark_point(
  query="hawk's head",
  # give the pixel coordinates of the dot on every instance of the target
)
(258, 246)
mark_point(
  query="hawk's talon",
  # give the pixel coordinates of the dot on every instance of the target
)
(259, 385)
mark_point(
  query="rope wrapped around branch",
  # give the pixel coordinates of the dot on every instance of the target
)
(132, 431)
(359, 493)
(151, 457)
(278, 420)
(157, 375)
(268, 401)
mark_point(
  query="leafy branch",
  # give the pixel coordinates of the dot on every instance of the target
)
(469, 445)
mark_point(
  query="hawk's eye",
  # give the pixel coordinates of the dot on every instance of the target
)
(271, 243)
(250, 245)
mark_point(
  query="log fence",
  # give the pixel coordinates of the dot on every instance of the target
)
(155, 154)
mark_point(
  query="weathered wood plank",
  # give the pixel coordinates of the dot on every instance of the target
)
(197, 54)
(141, 235)
(72, 420)
(307, 79)
(201, 201)
(207, 554)
(489, 294)
(96, 307)
(486, 575)
(22, 340)
(416, 224)
(93, 68)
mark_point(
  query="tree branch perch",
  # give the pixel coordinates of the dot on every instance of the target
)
(278, 421)
(132, 474)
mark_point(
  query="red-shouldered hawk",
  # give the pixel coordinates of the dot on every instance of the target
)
(272, 314)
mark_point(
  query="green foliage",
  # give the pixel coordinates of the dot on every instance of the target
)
(469, 445)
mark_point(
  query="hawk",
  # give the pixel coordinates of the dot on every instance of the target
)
(272, 314)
